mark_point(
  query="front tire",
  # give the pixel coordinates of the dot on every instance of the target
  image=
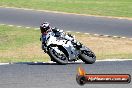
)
(57, 57)
(87, 56)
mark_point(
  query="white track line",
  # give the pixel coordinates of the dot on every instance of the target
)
(68, 31)
(77, 32)
(87, 33)
(4, 63)
(123, 37)
(79, 61)
(113, 60)
(27, 27)
(106, 35)
(115, 36)
(108, 60)
(10, 25)
(2, 24)
(96, 34)
(18, 26)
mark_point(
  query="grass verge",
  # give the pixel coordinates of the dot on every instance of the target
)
(119, 8)
(23, 45)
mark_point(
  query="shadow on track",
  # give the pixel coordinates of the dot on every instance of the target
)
(45, 63)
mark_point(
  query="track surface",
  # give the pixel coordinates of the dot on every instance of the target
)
(45, 75)
(90, 24)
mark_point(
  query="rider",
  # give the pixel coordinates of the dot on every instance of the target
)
(45, 28)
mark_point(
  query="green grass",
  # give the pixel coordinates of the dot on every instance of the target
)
(119, 8)
(20, 44)
(16, 37)
(23, 45)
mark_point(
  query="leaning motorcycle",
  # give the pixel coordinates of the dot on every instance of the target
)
(64, 51)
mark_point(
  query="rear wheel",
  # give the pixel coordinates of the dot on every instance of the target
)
(58, 55)
(87, 56)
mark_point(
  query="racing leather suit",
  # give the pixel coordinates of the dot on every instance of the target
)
(58, 33)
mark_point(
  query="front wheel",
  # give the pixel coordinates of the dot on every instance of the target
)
(87, 56)
(58, 55)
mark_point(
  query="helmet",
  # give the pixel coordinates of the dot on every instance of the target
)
(44, 27)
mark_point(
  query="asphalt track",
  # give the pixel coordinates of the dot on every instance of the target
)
(67, 22)
(51, 75)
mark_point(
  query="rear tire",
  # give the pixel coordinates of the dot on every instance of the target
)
(87, 56)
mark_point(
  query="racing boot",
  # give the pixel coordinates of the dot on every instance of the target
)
(44, 47)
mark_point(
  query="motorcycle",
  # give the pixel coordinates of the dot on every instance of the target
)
(63, 51)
